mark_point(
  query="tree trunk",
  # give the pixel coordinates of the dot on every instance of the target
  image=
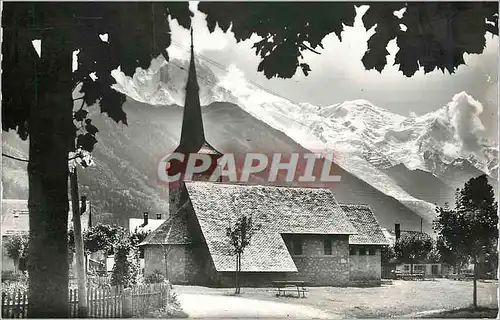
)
(80, 258)
(166, 251)
(474, 293)
(239, 273)
(16, 264)
(50, 128)
(237, 284)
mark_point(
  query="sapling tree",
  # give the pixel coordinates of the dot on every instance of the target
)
(16, 248)
(240, 235)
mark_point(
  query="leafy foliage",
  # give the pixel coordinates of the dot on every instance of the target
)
(435, 34)
(240, 234)
(173, 309)
(19, 285)
(16, 246)
(449, 240)
(126, 267)
(286, 29)
(155, 277)
(103, 237)
(470, 230)
(137, 237)
(387, 254)
(414, 247)
(137, 32)
(434, 255)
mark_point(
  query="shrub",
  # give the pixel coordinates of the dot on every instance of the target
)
(126, 268)
(172, 310)
(155, 277)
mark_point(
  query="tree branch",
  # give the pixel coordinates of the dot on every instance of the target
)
(302, 45)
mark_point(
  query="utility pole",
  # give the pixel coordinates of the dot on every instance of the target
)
(80, 261)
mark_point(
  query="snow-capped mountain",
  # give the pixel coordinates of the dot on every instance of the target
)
(365, 139)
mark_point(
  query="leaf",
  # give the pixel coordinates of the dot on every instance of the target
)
(283, 26)
(90, 127)
(80, 115)
(305, 68)
(180, 11)
(86, 141)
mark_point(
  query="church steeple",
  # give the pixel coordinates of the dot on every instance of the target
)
(192, 134)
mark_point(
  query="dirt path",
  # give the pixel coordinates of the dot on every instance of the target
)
(397, 299)
(219, 306)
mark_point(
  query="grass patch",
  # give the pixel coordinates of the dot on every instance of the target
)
(469, 312)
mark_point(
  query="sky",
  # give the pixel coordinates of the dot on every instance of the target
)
(338, 74)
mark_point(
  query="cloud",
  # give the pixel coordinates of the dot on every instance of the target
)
(464, 112)
(202, 38)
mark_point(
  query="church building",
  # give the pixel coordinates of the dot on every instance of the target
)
(303, 234)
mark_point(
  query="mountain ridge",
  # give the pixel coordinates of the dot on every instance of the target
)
(378, 153)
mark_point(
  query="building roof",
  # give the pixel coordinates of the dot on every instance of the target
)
(207, 148)
(365, 222)
(409, 233)
(192, 133)
(174, 230)
(277, 210)
(137, 224)
(15, 216)
(391, 235)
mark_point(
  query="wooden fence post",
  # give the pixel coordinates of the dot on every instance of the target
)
(167, 293)
(127, 303)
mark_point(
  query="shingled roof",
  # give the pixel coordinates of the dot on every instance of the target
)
(15, 216)
(278, 210)
(173, 231)
(369, 231)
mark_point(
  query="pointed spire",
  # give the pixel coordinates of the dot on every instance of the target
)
(192, 41)
(192, 134)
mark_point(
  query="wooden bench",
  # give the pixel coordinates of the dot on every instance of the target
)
(290, 286)
(460, 276)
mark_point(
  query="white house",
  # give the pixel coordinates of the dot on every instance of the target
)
(145, 224)
(137, 225)
(429, 268)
